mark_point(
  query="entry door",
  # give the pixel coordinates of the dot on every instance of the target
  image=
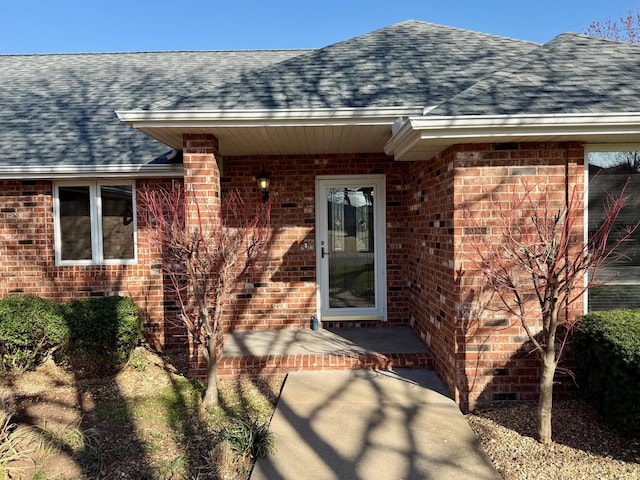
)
(350, 248)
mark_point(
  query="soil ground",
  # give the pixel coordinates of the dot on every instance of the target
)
(142, 423)
(584, 447)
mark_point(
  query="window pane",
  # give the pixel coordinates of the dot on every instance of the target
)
(608, 172)
(117, 222)
(75, 223)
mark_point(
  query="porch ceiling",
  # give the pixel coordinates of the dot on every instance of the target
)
(282, 140)
(276, 132)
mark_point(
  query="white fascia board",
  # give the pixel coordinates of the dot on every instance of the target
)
(86, 171)
(487, 126)
(317, 117)
(446, 130)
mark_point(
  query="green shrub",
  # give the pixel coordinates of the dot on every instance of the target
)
(607, 352)
(30, 327)
(102, 331)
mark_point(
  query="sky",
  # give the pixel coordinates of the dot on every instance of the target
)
(70, 26)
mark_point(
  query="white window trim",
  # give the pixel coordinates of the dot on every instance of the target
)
(95, 210)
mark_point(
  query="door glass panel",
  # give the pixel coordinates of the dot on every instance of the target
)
(351, 247)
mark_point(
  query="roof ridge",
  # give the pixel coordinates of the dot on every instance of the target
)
(152, 52)
(468, 30)
(168, 101)
(431, 24)
(604, 39)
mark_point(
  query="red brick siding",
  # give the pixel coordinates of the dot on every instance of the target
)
(482, 358)
(283, 293)
(430, 269)
(27, 263)
(202, 181)
(431, 281)
(202, 176)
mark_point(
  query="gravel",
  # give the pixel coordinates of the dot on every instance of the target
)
(584, 446)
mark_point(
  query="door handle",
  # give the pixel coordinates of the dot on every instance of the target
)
(323, 253)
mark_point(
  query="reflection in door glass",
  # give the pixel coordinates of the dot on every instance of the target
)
(351, 247)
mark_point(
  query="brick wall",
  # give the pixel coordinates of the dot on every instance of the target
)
(202, 184)
(283, 293)
(481, 356)
(430, 269)
(430, 277)
(27, 263)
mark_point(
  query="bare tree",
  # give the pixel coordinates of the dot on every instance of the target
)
(202, 262)
(537, 266)
(625, 29)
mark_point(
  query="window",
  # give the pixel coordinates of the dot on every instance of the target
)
(607, 174)
(95, 223)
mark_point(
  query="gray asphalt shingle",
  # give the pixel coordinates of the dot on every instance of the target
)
(570, 74)
(408, 64)
(59, 109)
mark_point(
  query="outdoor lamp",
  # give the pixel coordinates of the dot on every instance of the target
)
(264, 182)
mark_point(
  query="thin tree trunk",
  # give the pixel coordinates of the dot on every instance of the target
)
(546, 393)
(210, 398)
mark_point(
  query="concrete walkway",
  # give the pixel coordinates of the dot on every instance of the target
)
(371, 425)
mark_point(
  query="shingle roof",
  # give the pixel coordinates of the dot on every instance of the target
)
(59, 109)
(571, 74)
(408, 64)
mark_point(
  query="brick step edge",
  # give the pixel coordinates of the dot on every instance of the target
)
(229, 367)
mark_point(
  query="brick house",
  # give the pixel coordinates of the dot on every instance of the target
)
(387, 136)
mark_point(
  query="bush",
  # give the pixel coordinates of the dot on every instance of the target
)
(102, 331)
(30, 327)
(607, 350)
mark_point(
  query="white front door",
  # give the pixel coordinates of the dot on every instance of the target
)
(351, 246)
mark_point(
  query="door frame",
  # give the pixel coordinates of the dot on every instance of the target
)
(379, 312)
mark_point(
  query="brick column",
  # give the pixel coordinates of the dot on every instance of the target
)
(202, 175)
(202, 183)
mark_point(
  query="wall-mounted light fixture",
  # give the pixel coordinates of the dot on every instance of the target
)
(263, 180)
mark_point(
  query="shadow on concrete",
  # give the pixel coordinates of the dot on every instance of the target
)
(367, 424)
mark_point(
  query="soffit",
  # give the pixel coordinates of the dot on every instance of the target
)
(276, 132)
(290, 140)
